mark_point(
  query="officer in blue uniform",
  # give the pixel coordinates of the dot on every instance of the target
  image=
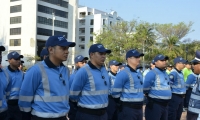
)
(194, 102)
(79, 61)
(43, 54)
(16, 77)
(157, 90)
(90, 86)
(112, 106)
(128, 87)
(190, 82)
(45, 90)
(4, 80)
(178, 89)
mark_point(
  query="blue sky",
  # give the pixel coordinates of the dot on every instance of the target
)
(153, 11)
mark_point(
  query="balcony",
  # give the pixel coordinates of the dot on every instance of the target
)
(82, 14)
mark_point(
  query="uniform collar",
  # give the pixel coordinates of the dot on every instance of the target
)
(92, 66)
(11, 70)
(50, 64)
(160, 69)
(114, 74)
(177, 70)
(131, 69)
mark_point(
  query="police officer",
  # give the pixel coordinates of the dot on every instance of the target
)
(14, 85)
(194, 102)
(190, 82)
(178, 89)
(121, 67)
(157, 90)
(128, 86)
(45, 90)
(112, 106)
(21, 66)
(44, 53)
(80, 61)
(4, 80)
(90, 86)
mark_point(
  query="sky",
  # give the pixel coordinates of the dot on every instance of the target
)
(153, 11)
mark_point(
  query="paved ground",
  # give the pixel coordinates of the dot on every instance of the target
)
(182, 118)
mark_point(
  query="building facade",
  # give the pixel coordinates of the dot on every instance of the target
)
(25, 25)
(91, 21)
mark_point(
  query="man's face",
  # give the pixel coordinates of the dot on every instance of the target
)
(134, 61)
(81, 64)
(188, 66)
(15, 62)
(196, 68)
(59, 52)
(114, 68)
(98, 57)
(161, 64)
(169, 68)
(181, 65)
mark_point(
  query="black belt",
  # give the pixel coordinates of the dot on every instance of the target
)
(132, 105)
(179, 95)
(12, 102)
(97, 112)
(39, 118)
(152, 101)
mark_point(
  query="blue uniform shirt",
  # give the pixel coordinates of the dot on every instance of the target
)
(128, 86)
(4, 80)
(177, 82)
(156, 85)
(191, 80)
(16, 77)
(112, 77)
(45, 90)
(90, 87)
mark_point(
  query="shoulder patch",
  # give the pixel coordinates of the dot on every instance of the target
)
(171, 76)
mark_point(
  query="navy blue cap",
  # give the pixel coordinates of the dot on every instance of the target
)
(197, 57)
(14, 55)
(160, 57)
(44, 52)
(80, 58)
(114, 62)
(2, 48)
(179, 60)
(153, 62)
(133, 53)
(123, 65)
(58, 41)
(98, 48)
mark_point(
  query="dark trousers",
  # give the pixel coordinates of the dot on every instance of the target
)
(128, 113)
(85, 116)
(187, 98)
(14, 112)
(3, 115)
(112, 109)
(192, 116)
(39, 118)
(175, 107)
(154, 111)
(72, 111)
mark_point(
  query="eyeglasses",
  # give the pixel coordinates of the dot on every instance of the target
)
(63, 81)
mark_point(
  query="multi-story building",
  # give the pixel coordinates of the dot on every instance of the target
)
(25, 25)
(91, 21)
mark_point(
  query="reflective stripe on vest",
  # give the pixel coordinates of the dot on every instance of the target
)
(91, 79)
(0, 103)
(7, 76)
(93, 106)
(179, 81)
(48, 115)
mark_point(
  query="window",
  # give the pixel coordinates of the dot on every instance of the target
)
(57, 23)
(15, 31)
(89, 13)
(82, 46)
(91, 30)
(110, 22)
(14, 0)
(82, 30)
(92, 22)
(15, 20)
(61, 3)
(49, 10)
(104, 21)
(15, 42)
(91, 39)
(47, 32)
(14, 9)
(82, 39)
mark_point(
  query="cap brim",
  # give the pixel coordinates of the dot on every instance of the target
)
(70, 44)
(85, 58)
(195, 61)
(105, 50)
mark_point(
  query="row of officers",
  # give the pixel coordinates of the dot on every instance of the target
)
(47, 91)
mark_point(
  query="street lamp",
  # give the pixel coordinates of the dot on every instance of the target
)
(53, 23)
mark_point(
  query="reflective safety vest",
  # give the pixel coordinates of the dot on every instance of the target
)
(160, 88)
(194, 103)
